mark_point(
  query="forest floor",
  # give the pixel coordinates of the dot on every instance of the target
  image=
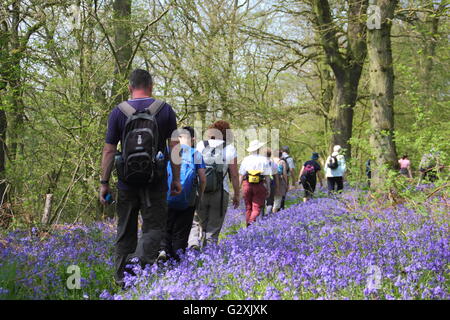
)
(353, 246)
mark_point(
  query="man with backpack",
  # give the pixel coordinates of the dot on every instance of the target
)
(281, 186)
(335, 169)
(220, 157)
(429, 166)
(308, 176)
(182, 206)
(290, 165)
(143, 126)
(274, 182)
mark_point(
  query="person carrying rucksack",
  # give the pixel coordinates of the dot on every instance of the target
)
(290, 167)
(308, 176)
(220, 159)
(430, 166)
(254, 177)
(274, 181)
(182, 206)
(143, 126)
(368, 172)
(281, 188)
(335, 170)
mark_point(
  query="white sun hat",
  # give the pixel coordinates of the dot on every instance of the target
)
(337, 148)
(255, 145)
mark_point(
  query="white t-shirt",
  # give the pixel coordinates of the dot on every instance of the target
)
(256, 162)
(229, 153)
(274, 166)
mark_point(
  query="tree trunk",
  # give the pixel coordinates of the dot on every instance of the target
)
(346, 66)
(15, 83)
(344, 100)
(47, 209)
(123, 35)
(3, 125)
(381, 75)
(4, 57)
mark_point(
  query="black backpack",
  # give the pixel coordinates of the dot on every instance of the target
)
(141, 160)
(333, 163)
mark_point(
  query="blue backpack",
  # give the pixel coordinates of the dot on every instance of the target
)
(188, 180)
(280, 169)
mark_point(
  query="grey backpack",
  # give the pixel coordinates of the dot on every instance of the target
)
(214, 162)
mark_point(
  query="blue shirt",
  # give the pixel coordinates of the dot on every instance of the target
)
(198, 158)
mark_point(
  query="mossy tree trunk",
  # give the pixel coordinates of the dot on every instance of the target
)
(346, 64)
(381, 74)
(123, 35)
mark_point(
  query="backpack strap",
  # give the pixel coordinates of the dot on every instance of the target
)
(126, 108)
(155, 107)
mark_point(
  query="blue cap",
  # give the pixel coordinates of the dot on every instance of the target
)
(315, 156)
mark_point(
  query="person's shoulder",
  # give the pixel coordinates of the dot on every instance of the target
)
(115, 113)
(167, 105)
(230, 151)
(230, 147)
(200, 146)
(168, 109)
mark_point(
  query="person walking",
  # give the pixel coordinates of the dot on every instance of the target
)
(182, 206)
(274, 181)
(254, 177)
(308, 176)
(282, 181)
(405, 166)
(220, 158)
(290, 165)
(368, 172)
(430, 165)
(335, 170)
(141, 167)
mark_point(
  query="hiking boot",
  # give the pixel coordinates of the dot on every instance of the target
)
(195, 247)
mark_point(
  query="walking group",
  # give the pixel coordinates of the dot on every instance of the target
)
(181, 186)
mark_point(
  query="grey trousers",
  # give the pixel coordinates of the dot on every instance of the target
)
(153, 208)
(208, 220)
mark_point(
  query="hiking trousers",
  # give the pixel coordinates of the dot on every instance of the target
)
(254, 197)
(309, 185)
(270, 200)
(153, 208)
(208, 219)
(335, 184)
(179, 223)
